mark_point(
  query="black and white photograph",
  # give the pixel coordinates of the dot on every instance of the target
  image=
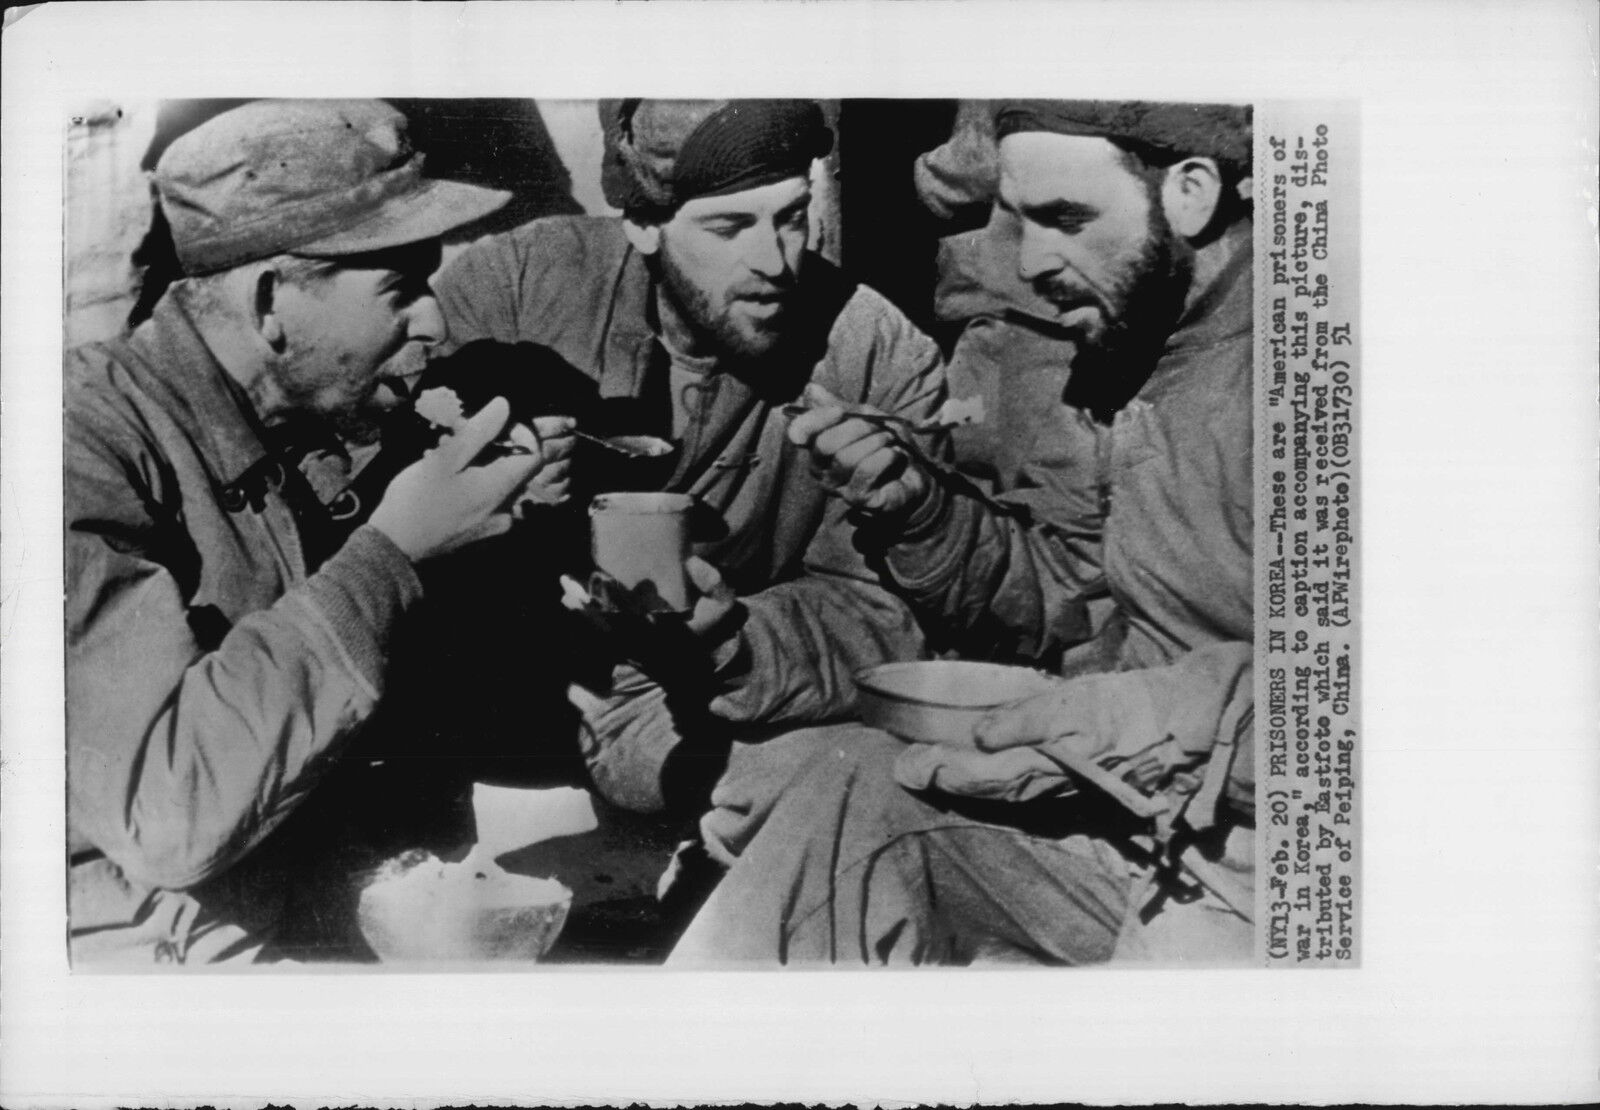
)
(458, 574)
(569, 558)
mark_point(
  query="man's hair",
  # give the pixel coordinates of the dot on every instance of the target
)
(1150, 167)
(206, 292)
(299, 270)
(1151, 135)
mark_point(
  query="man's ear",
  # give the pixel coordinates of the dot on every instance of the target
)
(646, 238)
(1191, 192)
(264, 286)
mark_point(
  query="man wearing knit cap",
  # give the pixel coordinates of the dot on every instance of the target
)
(225, 637)
(700, 315)
(1111, 817)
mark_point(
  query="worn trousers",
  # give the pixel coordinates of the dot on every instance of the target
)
(850, 868)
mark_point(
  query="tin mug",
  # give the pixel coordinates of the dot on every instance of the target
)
(643, 537)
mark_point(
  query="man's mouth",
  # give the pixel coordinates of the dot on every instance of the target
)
(398, 376)
(1083, 315)
(389, 393)
(1078, 307)
(764, 306)
(772, 296)
(408, 363)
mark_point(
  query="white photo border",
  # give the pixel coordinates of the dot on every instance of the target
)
(1478, 541)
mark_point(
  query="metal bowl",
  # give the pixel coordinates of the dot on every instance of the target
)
(940, 701)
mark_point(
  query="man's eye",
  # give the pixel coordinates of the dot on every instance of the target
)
(795, 219)
(725, 230)
(405, 286)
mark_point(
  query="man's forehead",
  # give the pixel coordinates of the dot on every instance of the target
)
(749, 202)
(422, 257)
(1034, 161)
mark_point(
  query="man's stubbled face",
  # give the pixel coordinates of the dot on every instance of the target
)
(1094, 240)
(355, 335)
(731, 266)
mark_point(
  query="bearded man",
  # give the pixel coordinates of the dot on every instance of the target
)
(1113, 815)
(698, 317)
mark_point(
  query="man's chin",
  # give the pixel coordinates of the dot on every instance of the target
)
(750, 341)
(361, 426)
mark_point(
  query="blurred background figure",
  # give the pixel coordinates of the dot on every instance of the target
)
(1003, 341)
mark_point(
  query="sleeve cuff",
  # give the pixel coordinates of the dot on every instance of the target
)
(880, 532)
(362, 590)
(924, 553)
(928, 518)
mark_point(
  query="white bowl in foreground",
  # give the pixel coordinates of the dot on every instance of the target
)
(418, 909)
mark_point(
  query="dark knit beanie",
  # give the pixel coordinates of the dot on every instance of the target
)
(661, 153)
(1160, 133)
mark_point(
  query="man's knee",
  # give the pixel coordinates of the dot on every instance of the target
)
(644, 752)
(761, 775)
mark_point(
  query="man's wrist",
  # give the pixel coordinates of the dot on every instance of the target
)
(396, 535)
(731, 657)
(926, 516)
(909, 523)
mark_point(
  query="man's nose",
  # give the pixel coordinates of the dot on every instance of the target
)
(765, 255)
(1037, 256)
(425, 320)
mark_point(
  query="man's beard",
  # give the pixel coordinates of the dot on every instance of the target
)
(358, 428)
(1138, 316)
(361, 421)
(716, 324)
(1141, 307)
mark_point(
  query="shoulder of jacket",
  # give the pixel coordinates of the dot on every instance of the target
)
(560, 243)
(547, 256)
(873, 351)
(108, 414)
(97, 385)
(871, 324)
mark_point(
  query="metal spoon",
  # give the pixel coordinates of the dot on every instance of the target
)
(883, 419)
(634, 447)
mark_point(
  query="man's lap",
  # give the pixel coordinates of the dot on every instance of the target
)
(850, 866)
(840, 863)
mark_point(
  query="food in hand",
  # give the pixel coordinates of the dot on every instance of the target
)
(441, 407)
(959, 412)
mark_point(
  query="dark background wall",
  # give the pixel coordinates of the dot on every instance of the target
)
(889, 238)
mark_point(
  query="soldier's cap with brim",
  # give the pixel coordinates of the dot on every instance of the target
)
(320, 178)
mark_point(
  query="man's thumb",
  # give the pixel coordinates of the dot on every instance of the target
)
(476, 434)
(704, 577)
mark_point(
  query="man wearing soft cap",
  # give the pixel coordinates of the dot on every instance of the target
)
(1134, 223)
(701, 313)
(225, 636)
